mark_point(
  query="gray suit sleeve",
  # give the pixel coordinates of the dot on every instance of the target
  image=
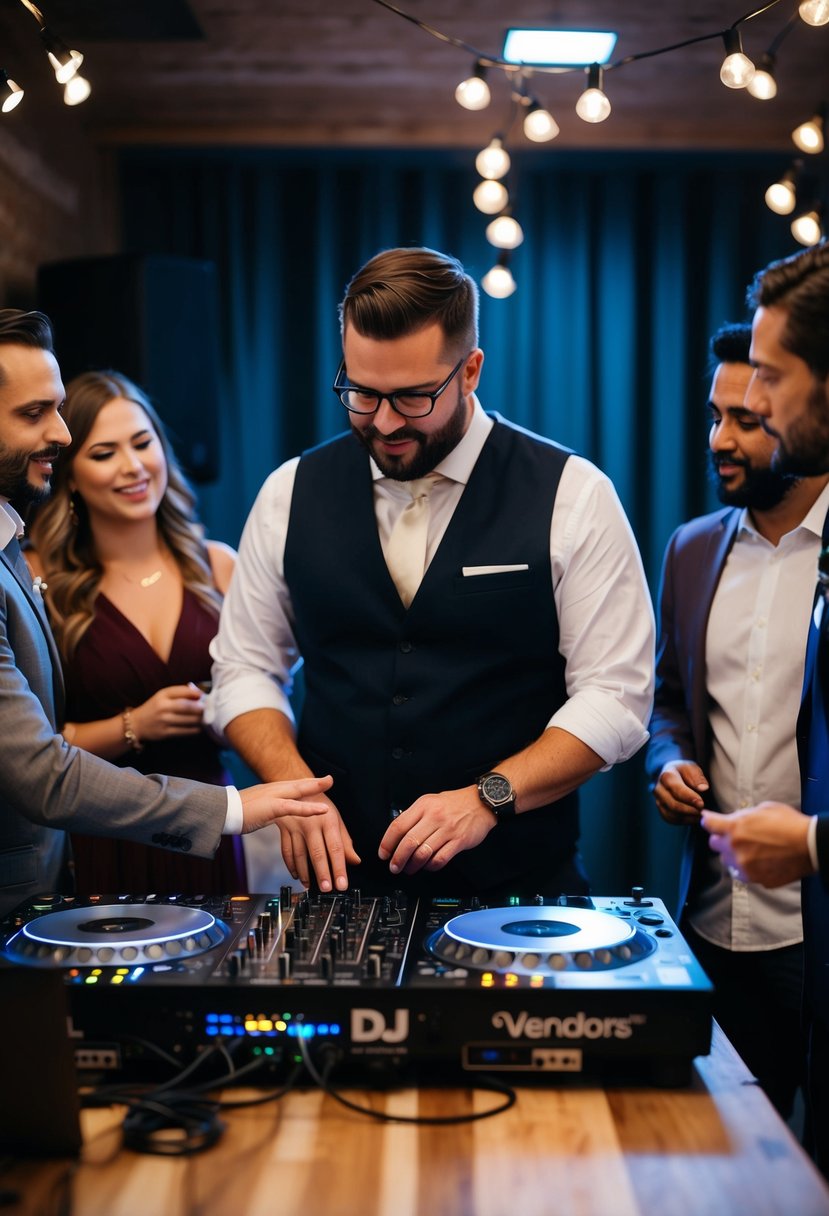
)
(47, 782)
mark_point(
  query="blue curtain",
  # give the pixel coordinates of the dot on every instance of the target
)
(629, 263)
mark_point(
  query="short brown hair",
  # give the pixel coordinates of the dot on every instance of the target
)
(401, 291)
(800, 285)
(18, 328)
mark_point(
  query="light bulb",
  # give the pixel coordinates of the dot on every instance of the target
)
(498, 282)
(781, 197)
(76, 90)
(65, 70)
(762, 85)
(593, 105)
(539, 124)
(493, 161)
(490, 196)
(14, 95)
(806, 228)
(473, 93)
(504, 232)
(737, 69)
(809, 135)
(815, 12)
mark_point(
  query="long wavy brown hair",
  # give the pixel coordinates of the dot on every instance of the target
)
(61, 532)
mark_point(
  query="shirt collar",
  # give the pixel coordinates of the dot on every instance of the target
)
(460, 462)
(11, 524)
(812, 521)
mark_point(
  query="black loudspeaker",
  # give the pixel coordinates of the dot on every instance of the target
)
(39, 1110)
(156, 319)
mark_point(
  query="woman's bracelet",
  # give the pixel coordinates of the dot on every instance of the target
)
(129, 734)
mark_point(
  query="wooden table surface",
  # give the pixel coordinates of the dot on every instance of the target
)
(715, 1149)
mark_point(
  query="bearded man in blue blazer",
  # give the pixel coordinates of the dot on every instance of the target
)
(735, 602)
(773, 843)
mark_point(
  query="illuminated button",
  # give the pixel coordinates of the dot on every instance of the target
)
(487, 979)
(117, 979)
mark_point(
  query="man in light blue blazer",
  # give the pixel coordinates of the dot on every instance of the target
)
(46, 786)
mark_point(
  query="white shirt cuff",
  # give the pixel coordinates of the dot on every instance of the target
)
(811, 841)
(235, 818)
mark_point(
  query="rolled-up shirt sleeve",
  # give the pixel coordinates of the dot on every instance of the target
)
(605, 615)
(254, 652)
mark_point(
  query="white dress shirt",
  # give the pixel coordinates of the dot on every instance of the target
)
(755, 654)
(601, 598)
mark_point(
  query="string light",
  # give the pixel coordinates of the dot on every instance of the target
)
(490, 196)
(737, 69)
(762, 85)
(504, 232)
(781, 195)
(593, 105)
(807, 228)
(13, 92)
(65, 64)
(815, 12)
(493, 161)
(498, 281)
(809, 135)
(539, 124)
(473, 93)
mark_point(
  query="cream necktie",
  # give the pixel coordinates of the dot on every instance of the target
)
(406, 548)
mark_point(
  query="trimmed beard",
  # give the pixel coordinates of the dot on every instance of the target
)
(762, 488)
(14, 476)
(432, 449)
(805, 450)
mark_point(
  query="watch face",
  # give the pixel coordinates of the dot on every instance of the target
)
(496, 789)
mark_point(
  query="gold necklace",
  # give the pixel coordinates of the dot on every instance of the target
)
(149, 580)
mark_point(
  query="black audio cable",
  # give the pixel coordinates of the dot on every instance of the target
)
(332, 1058)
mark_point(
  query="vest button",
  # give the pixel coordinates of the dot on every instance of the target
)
(399, 699)
(406, 647)
(397, 753)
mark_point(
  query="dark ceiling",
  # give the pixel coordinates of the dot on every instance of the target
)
(352, 72)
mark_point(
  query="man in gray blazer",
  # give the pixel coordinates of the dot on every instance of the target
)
(46, 786)
(735, 602)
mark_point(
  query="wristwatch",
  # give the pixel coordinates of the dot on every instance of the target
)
(495, 791)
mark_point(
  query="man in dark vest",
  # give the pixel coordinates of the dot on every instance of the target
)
(469, 604)
(774, 843)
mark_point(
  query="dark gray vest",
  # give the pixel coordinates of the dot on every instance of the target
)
(400, 703)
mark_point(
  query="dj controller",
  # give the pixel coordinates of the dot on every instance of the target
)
(391, 987)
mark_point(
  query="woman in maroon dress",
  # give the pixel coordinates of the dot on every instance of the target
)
(133, 593)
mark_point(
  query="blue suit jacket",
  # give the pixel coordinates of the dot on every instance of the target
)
(679, 728)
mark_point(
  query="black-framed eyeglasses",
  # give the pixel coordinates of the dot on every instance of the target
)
(410, 403)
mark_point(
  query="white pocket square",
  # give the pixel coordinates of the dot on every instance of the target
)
(472, 571)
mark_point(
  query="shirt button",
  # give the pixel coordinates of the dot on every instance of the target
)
(406, 647)
(761, 622)
(397, 753)
(750, 727)
(399, 699)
